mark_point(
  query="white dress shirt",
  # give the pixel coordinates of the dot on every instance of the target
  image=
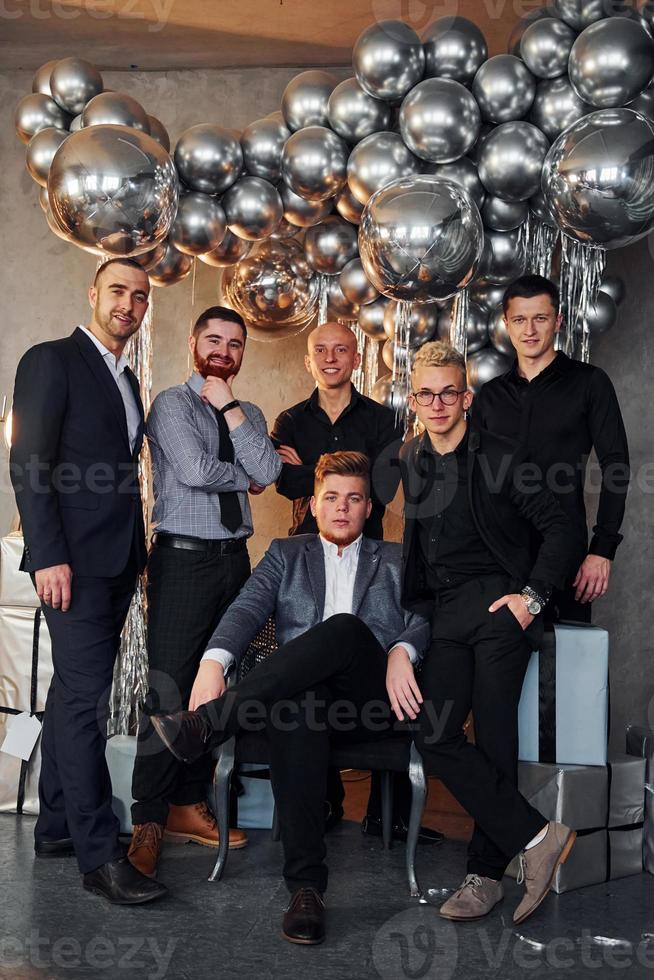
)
(340, 573)
(116, 368)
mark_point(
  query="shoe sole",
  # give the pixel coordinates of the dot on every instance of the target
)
(302, 942)
(469, 918)
(123, 901)
(567, 847)
(171, 835)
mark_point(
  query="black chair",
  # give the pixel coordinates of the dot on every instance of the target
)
(396, 753)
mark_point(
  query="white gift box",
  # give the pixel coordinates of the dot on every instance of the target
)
(19, 781)
(16, 587)
(25, 659)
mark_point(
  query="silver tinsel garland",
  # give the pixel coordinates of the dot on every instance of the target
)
(538, 241)
(582, 267)
(459, 322)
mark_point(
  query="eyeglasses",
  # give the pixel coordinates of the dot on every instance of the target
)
(448, 397)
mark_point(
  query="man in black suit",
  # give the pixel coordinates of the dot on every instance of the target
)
(77, 433)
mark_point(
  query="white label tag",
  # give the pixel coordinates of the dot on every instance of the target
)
(23, 731)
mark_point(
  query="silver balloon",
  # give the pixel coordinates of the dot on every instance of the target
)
(37, 111)
(420, 239)
(614, 287)
(486, 295)
(230, 251)
(503, 215)
(348, 207)
(314, 163)
(499, 334)
(545, 47)
(454, 48)
(611, 62)
(439, 120)
(476, 327)
(113, 188)
(73, 83)
(597, 178)
(262, 143)
(485, 364)
(538, 205)
(511, 160)
(253, 208)
(484, 132)
(199, 224)
(330, 245)
(355, 284)
(371, 318)
(556, 106)
(172, 268)
(41, 80)
(463, 172)
(274, 289)
(305, 98)
(601, 314)
(115, 109)
(644, 103)
(298, 211)
(40, 153)
(423, 320)
(354, 114)
(76, 124)
(338, 303)
(504, 88)
(388, 59)
(43, 198)
(376, 161)
(284, 230)
(579, 13)
(388, 394)
(208, 158)
(503, 258)
(159, 132)
(148, 260)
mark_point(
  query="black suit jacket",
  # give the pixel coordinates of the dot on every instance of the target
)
(74, 476)
(508, 505)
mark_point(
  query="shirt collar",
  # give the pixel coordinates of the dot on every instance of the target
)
(459, 450)
(195, 382)
(331, 550)
(120, 364)
(312, 403)
(559, 363)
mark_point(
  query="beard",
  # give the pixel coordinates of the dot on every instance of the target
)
(209, 368)
(341, 537)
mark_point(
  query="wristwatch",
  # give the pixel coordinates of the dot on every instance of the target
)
(533, 602)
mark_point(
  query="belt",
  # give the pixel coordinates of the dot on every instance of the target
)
(226, 546)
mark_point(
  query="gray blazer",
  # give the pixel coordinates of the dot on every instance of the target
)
(289, 584)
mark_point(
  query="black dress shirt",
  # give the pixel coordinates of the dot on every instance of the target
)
(564, 412)
(363, 426)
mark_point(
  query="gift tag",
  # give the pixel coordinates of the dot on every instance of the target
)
(22, 735)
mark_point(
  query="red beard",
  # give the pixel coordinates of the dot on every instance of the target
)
(213, 369)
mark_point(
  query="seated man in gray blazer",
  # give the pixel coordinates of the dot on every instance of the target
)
(344, 665)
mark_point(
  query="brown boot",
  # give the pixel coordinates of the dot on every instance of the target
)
(196, 822)
(538, 867)
(145, 848)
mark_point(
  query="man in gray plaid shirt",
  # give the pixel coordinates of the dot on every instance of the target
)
(208, 451)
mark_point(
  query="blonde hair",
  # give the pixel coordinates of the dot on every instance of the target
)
(342, 464)
(437, 353)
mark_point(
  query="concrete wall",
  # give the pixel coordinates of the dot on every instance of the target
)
(44, 287)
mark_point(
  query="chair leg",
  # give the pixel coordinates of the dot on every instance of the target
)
(276, 829)
(221, 780)
(418, 798)
(387, 808)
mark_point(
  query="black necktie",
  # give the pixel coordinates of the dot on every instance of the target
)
(230, 509)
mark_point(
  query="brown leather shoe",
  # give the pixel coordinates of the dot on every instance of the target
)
(145, 848)
(475, 898)
(196, 822)
(304, 919)
(538, 867)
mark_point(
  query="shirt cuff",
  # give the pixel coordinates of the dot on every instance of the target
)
(604, 547)
(222, 657)
(410, 649)
(542, 589)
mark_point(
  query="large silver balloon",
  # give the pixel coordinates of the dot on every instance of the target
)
(355, 284)
(298, 211)
(454, 48)
(611, 62)
(305, 98)
(172, 268)
(503, 258)
(476, 327)
(485, 364)
(354, 114)
(598, 178)
(545, 47)
(115, 109)
(274, 289)
(40, 153)
(420, 239)
(556, 106)
(208, 158)
(423, 322)
(338, 303)
(463, 172)
(41, 80)
(314, 163)
(601, 314)
(376, 161)
(348, 207)
(262, 143)
(614, 287)
(486, 295)
(113, 188)
(371, 318)
(330, 245)
(503, 215)
(439, 120)
(253, 208)
(73, 83)
(230, 251)
(499, 334)
(504, 88)
(511, 160)
(388, 394)
(199, 224)
(159, 132)
(38, 111)
(388, 59)
(579, 13)
(518, 30)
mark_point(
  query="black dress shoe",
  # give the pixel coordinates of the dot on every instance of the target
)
(54, 848)
(186, 734)
(119, 882)
(304, 919)
(373, 827)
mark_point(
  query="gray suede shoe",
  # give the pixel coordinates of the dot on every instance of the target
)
(538, 867)
(473, 900)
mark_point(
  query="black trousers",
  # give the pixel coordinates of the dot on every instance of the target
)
(329, 684)
(74, 785)
(187, 592)
(477, 661)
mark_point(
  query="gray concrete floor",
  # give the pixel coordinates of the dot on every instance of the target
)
(52, 929)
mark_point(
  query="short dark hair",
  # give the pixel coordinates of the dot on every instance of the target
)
(219, 313)
(117, 261)
(343, 463)
(526, 287)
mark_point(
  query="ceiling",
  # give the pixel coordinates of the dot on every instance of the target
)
(177, 34)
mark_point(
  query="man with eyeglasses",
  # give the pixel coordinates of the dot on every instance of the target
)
(559, 410)
(468, 564)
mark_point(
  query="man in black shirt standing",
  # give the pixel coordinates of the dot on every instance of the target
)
(560, 409)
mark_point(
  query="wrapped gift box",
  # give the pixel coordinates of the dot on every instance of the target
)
(640, 742)
(256, 803)
(120, 755)
(16, 587)
(25, 659)
(563, 712)
(19, 781)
